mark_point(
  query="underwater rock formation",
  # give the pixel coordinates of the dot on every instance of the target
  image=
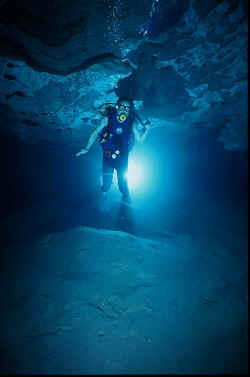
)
(185, 62)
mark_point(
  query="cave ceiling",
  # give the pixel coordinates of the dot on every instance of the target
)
(184, 62)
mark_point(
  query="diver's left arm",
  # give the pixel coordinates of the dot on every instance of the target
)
(141, 129)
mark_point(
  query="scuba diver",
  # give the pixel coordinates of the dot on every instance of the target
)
(120, 126)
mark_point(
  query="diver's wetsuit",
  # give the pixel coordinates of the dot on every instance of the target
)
(117, 142)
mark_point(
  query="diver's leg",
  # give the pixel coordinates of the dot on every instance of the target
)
(122, 180)
(107, 176)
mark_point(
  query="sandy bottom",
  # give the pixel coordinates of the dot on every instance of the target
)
(87, 300)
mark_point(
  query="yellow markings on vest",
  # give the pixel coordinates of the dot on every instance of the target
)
(122, 117)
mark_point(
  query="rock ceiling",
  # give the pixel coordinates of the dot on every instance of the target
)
(183, 62)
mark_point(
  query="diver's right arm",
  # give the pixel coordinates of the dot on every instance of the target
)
(93, 137)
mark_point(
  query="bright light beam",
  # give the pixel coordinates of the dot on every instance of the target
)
(135, 174)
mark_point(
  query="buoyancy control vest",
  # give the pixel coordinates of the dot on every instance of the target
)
(117, 137)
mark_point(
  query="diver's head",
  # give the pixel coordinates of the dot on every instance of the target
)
(124, 107)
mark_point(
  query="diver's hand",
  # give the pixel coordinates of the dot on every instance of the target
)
(82, 151)
(147, 123)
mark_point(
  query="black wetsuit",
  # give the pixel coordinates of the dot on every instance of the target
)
(116, 140)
